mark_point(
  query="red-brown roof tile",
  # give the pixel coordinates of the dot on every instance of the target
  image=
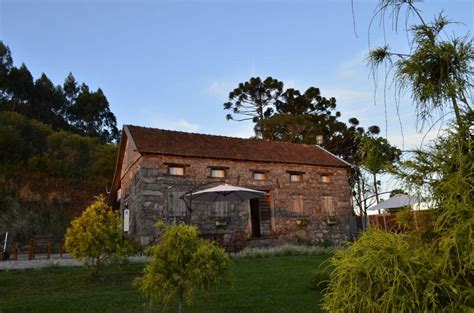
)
(159, 141)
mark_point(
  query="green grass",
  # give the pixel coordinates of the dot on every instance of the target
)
(278, 284)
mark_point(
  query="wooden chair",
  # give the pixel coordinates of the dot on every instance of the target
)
(218, 239)
(236, 242)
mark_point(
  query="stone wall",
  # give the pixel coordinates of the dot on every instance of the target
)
(309, 210)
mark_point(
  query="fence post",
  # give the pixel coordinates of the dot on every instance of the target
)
(30, 249)
(50, 243)
(15, 251)
(61, 249)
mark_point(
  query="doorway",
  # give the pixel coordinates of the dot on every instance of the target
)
(255, 218)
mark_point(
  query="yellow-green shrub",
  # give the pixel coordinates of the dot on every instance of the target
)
(181, 263)
(388, 272)
(96, 235)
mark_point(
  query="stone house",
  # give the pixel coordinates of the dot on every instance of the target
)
(307, 189)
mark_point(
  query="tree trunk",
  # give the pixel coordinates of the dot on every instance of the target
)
(180, 302)
(376, 189)
(359, 194)
(96, 270)
(457, 113)
(366, 221)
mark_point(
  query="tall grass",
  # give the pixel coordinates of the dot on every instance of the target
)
(283, 250)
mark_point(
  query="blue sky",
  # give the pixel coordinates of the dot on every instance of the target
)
(170, 64)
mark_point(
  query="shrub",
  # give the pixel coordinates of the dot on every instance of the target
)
(181, 263)
(387, 272)
(96, 236)
(405, 218)
(319, 279)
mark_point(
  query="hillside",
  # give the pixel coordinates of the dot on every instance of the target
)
(47, 177)
(57, 150)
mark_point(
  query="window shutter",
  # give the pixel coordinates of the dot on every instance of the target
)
(298, 204)
(176, 205)
(329, 205)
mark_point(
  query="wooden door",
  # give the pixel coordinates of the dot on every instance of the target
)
(255, 217)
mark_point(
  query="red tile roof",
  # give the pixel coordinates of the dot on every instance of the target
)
(159, 141)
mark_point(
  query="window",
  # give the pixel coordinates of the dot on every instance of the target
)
(297, 204)
(326, 179)
(329, 205)
(296, 178)
(259, 175)
(221, 209)
(218, 173)
(176, 170)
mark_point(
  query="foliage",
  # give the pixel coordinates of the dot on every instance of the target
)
(255, 99)
(71, 107)
(96, 235)
(431, 269)
(437, 72)
(385, 272)
(319, 279)
(405, 218)
(283, 250)
(46, 176)
(181, 263)
(28, 145)
(378, 156)
(289, 115)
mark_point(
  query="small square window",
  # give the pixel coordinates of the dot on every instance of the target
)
(176, 170)
(326, 178)
(259, 175)
(296, 178)
(219, 173)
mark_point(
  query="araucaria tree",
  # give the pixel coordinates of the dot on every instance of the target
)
(287, 114)
(96, 235)
(181, 263)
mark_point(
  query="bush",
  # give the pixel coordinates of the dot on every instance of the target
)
(181, 263)
(388, 272)
(319, 280)
(96, 236)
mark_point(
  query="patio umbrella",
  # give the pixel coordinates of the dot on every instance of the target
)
(397, 201)
(224, 192)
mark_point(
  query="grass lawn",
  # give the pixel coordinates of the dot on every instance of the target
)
(278, 284)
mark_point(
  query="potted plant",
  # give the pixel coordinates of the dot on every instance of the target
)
(221, 221)
(331, 220)
(302, 222)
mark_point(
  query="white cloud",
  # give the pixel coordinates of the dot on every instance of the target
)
(353, 67)
(238, 129)
(343, 95)
(219, 89)
(185, 125)
(154, 119)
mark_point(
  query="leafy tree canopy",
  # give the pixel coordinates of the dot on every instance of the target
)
(71, 107)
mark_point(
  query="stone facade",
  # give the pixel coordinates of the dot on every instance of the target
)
(316, 209)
